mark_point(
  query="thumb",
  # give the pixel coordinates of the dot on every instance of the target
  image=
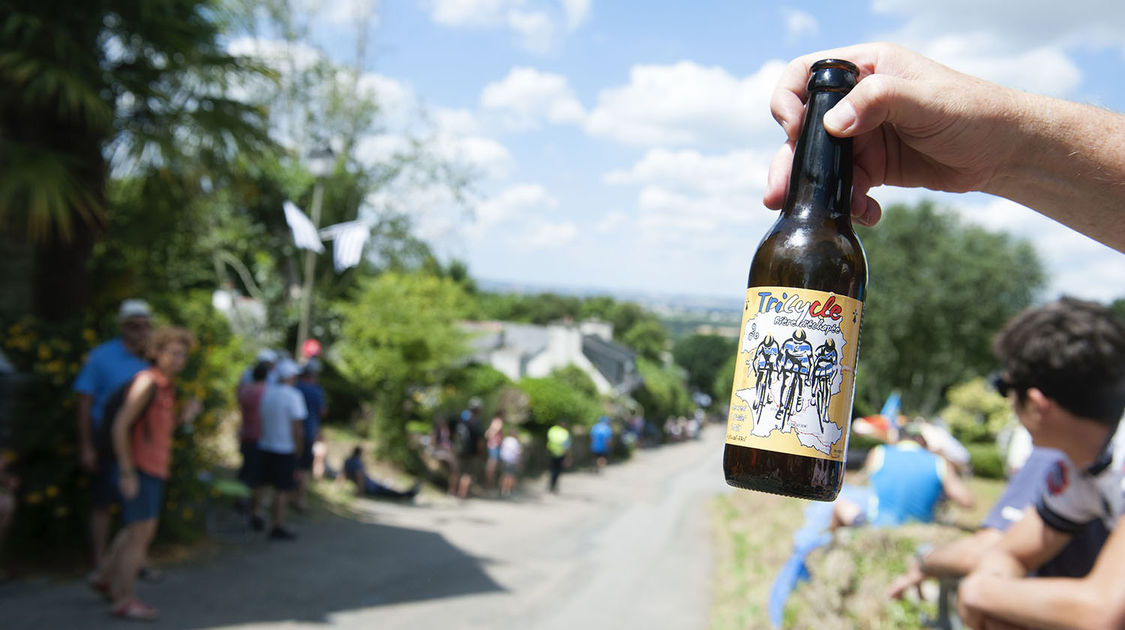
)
(875, 100)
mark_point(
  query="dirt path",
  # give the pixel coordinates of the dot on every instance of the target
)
(625, 549)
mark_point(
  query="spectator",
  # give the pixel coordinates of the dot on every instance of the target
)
(1064, 376)
(316, 407)
(558, 447)
(601, 438)
(365, 486)
(267, 357)
(445, 452)
(108, 368)
(492, 438)
(142, 443)
(958, 558)
(908, 481)
(510, 453)
(283, 433)
(250, 406)
(468, 439)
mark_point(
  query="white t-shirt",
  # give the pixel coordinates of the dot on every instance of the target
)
(281, 406)
(510, 450)
(1075, 497)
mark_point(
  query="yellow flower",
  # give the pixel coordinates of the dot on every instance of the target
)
(52, 492)
(44, 352)
(62, 511)
(34, 497)
(187, 514)
(89, 336)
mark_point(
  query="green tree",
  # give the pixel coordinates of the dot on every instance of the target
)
(398, 331)
(552, 399)
(938, 292)
(89, 87)
(663, 392)
(574, 376)
(647, 337)
(703, 356)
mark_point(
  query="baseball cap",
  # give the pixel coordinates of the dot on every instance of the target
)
(134, 308)
(267, 356)
(287, 369)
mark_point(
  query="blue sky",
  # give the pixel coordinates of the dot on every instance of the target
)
(624, 145)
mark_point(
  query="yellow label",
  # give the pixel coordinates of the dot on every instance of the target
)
(794, 378)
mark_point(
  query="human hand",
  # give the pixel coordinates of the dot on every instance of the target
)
(88, 457)
(916, 123)
(192, 408)
(128, 484)
(911, 579)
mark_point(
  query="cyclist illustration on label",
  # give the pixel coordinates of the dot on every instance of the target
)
(764, 365)
(788, 399)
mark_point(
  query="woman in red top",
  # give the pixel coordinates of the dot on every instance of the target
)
(142, 441)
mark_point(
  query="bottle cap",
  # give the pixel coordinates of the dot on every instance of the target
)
(833, 75)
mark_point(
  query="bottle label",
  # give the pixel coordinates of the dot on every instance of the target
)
(794, 377)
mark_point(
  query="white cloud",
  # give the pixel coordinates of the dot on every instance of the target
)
(539, 24)
(799, 25)
(546, 235)
(514, 202)
(469, 12)
(277, 53)
(526, 97)
(1017, 24)
(686, 170)
(686, 104)
(612, 222)
(1026, 44)
(576, 12)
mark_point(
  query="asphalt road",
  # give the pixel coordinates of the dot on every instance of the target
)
(625, 549)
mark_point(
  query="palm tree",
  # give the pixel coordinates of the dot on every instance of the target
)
(109, 86)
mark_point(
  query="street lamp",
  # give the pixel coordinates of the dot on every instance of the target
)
(321, 162)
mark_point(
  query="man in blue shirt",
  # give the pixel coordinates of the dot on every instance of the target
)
(316, 406)
(108, 367)
(600, 436)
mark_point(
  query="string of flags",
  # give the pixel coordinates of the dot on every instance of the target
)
(348, 238)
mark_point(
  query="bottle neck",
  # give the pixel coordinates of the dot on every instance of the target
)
(821, 182)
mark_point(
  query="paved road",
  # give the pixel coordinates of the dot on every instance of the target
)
(626, 549)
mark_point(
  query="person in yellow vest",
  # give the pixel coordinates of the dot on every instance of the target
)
(558, 446)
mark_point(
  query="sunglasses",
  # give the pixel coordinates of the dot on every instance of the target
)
(1001, 384)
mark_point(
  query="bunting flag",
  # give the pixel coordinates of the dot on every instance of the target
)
(348, 241)
(304, 232)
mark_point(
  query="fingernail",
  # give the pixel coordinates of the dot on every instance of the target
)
(840, 118)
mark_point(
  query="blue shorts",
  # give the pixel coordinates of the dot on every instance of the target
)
(146, 505)
(494, 452)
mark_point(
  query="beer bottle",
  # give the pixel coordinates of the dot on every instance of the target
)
(790, 412)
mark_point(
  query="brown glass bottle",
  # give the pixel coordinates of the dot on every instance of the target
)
(811, 246)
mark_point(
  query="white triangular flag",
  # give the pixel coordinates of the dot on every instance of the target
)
(348, 241)
(304, 232)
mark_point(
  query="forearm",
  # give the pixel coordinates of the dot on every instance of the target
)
(1070, 166)
(121, 446)
(1041, 602)
(960, 557)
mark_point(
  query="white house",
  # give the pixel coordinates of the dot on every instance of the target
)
(519, 350)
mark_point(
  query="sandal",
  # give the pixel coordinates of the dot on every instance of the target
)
(101, 588)
(136, 610)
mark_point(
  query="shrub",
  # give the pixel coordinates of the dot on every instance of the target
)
(986, 460)
(551, 400)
